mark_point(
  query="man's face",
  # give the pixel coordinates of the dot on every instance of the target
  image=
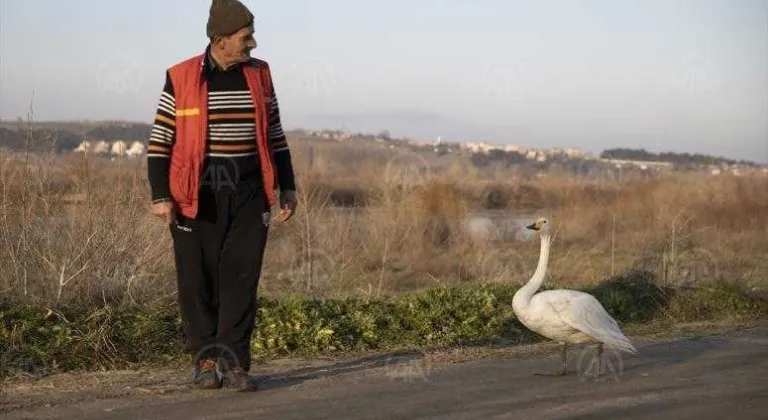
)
(237, 47)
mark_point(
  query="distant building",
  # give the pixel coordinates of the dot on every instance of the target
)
(136, 149)
(116, 148)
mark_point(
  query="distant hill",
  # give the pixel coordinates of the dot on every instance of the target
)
(62, 136)
(67, 135)
(38, 139)
(671, 157)
(413, 124)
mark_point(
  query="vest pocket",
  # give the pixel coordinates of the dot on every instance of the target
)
(180, 182)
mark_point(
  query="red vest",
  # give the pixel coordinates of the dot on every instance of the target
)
(187, 154)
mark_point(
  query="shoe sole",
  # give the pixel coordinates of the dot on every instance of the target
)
(248, 388)
(208, 386)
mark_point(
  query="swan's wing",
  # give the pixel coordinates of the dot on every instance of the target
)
(585, 313)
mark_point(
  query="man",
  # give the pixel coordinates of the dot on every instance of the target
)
(217, 153)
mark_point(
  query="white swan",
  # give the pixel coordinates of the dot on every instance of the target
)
(566, 316)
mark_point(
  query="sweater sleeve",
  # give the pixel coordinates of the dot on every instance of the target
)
(280, 149)
(161, 140)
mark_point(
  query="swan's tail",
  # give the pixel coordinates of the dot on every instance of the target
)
(617, 340)
(610, 333)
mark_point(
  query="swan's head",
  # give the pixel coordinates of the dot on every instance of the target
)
(540, 225)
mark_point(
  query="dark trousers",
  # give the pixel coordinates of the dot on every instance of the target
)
(218, 262)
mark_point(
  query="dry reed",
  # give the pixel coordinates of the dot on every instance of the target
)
(374, 221)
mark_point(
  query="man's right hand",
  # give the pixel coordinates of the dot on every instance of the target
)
(164, 210)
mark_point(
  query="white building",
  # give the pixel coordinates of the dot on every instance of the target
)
(118, 148)
(136, 149)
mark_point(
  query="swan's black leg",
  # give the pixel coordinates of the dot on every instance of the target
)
(599, 360)
(564, 357)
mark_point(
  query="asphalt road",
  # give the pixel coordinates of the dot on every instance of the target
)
(715, 377)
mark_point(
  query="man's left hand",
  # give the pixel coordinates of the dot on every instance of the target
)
(288, 202)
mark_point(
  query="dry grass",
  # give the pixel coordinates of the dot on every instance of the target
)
(372, 222)
(73, 229)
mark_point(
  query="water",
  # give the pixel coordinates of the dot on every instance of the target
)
(489, 226)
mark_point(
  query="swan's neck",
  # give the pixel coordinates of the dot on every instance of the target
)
(524, 295)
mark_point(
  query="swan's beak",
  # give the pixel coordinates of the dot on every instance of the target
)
(532, 226)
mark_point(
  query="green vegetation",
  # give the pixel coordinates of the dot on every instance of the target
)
(38, 340)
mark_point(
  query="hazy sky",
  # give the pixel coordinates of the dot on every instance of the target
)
(660, 74)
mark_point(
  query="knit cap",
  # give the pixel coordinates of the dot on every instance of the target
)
(227, 17)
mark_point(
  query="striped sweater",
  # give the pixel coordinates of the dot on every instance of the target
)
(231, 153)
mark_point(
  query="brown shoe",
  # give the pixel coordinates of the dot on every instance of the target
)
(238, 379)
(206, 376)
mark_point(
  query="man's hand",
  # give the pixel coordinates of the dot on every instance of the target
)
(164, 210)
(288, 204)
